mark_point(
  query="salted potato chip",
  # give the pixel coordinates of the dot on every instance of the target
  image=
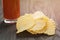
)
(32, 32)
(24, 22)
(51, 26)
(41, 31)
(45, 18)
(39, 25)
(38, 14)
(36, 23)
(37, 32)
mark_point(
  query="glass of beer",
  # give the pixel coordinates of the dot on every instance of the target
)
(11, 10)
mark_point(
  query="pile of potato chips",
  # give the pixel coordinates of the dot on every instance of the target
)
(36, 23)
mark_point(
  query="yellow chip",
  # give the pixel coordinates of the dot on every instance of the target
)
(24, 22)
(51, 26)
(38, 14)
(40, 24)
(32, 32)
(41, 31)
(37, 32)
(36, 23)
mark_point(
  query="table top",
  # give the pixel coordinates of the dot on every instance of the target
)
(8, 31)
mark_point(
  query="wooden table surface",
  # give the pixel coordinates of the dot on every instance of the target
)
(49, 7)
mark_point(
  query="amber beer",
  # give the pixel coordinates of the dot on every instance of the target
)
(11, 10)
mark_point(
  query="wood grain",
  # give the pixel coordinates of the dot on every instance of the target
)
(50, 7)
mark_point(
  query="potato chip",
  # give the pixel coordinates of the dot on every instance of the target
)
(51, 26)
(40, 28)
(24, 22)
(37, 32)
(38, 14)
(40, 24)
(41, 31)
(36, 23)
(32, 32)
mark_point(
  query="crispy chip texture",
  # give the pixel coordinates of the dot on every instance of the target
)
(40, 25)
(36, 23)
(38, 28)
(37, 14)
(24, 22)
(51, 26)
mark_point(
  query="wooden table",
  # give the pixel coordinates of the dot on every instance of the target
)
(8, 31)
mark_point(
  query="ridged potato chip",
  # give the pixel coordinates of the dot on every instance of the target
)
(37, 14)
(51, 26)
(24, 22)
(37, 32)
(36, 23)
(32, 32)
(39, 25)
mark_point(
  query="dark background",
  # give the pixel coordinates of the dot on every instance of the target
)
(50, 7)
